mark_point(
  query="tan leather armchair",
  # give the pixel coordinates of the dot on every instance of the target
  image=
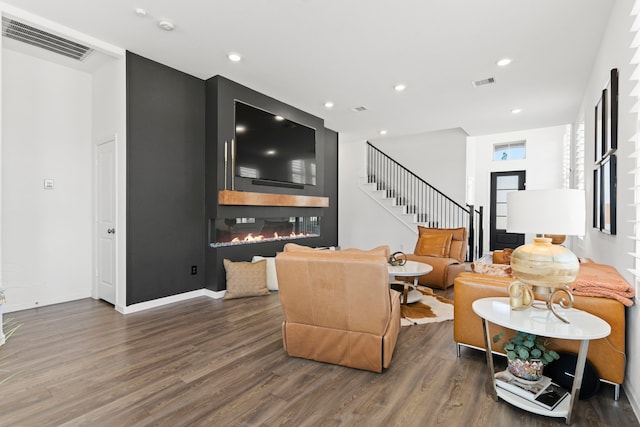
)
(338, 307)
(607, 354)
(445, 268)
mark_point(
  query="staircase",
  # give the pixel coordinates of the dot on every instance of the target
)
(415, 202)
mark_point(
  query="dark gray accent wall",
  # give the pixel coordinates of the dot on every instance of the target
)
(165, 180)
(330, 217)
(220, 123)
(176, 128)
(221, 96)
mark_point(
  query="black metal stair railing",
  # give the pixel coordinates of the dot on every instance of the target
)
(430, 206)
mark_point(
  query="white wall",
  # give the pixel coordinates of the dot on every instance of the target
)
(46, 133)
(543, 164)
(615, 53)
(105, 107)
(436, 157)
(362, 223)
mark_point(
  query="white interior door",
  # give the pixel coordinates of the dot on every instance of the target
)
(105, 221)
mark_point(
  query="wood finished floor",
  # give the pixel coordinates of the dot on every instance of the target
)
(208, 362)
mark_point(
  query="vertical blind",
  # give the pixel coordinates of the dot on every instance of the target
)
(635, 139)
(566, 157)
(578, 176)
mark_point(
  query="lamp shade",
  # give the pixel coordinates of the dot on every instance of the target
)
(560, 211)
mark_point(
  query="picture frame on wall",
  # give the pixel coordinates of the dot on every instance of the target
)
(596, 198)
(599, 130)
(608, 191)
(611, 116)
(605, 160)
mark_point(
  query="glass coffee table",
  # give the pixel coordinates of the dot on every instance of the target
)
(410, 269)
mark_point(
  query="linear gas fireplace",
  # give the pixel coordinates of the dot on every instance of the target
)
(243, 231)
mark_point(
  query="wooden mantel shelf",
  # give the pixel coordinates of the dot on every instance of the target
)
(246, 198)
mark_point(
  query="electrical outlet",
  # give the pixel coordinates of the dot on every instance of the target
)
(194, 269)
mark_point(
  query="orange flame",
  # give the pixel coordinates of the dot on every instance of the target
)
(251, 238)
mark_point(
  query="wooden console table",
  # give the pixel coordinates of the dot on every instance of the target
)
(247, 198)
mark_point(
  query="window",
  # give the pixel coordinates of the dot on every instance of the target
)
(566, 158)
(510, 151)
(578, 168)
(578, 177)
(636, 140)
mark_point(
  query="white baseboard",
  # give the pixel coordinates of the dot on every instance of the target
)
(633, 398)
(133, 308)
(8, 308)
(214, 294)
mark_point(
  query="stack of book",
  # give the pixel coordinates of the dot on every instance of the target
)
(544, 392)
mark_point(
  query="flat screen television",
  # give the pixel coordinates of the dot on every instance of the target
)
(273, 149)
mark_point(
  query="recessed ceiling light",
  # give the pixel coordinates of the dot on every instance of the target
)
(235, 57)
(503, 62)
(328, 104)
(516, 111)
(240, 128)
(400, 87)
(166, 25)
(270, 152)
(140, 11)
(279, 118)
(383, 132)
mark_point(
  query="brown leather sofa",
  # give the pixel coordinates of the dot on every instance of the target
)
(338, 307)
(607, 354)
(445, 266)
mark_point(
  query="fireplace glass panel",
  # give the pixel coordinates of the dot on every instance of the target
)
(240, 231)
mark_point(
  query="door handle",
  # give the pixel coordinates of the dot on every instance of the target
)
(111, 231)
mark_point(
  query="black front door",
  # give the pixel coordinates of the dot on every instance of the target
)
(501, 184)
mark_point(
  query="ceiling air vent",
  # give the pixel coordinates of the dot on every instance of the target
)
(27, 34)
(488, 81)
(359, 109)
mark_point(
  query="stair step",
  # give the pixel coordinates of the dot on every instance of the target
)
(410, 213)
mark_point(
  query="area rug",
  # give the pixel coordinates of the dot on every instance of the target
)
(431, 308)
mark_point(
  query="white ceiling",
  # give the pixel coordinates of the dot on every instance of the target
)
(353, 52)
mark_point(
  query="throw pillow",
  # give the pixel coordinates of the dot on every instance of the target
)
(245, 279)
(503, 270)
(457, 233)
(294, 247)
(272, 275)
(436, 245)
(458, 249)
(506, 255)
(378, 250)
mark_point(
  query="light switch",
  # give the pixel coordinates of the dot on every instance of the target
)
(48, 184)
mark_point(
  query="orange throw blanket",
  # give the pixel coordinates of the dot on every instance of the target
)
(600, 280)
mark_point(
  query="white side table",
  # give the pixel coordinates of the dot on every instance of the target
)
(583, 327)
(410, 269)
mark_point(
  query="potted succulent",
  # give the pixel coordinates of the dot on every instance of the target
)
(526, 354)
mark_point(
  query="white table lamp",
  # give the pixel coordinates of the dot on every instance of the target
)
(544, 266)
